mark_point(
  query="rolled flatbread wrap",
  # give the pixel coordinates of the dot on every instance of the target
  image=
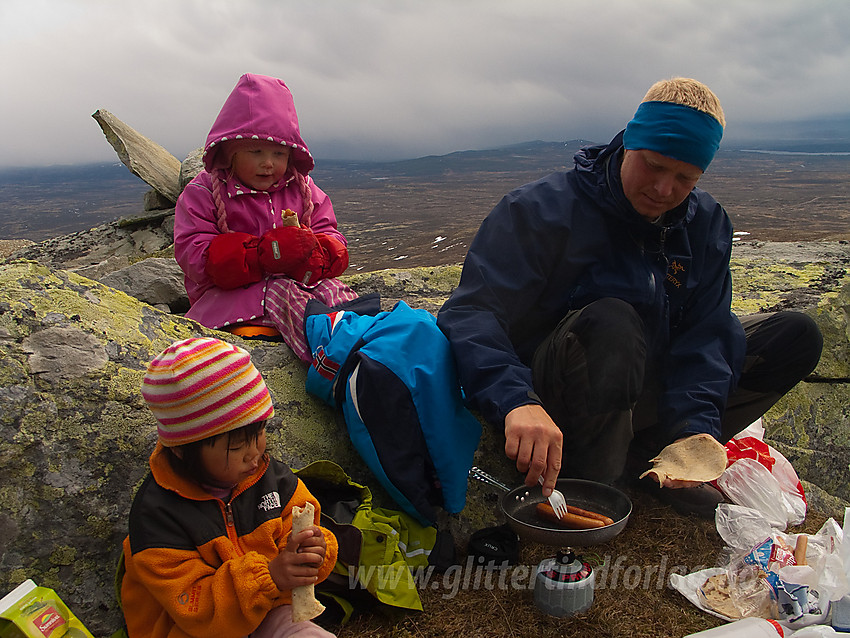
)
(304, 603)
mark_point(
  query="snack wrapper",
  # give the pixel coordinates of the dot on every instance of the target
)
(767, 573)
(30, 611)
(794, 599)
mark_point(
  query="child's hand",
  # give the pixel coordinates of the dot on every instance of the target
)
(298, 564)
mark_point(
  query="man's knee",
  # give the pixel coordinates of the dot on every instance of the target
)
(608, 318)
(785, 346)
(611, 337)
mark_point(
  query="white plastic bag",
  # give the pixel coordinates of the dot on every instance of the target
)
(815, 631)
(690, 584)
(740, 527)
(750, 444)
(749, 483)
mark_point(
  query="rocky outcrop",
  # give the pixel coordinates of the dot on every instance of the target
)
(145, 158)
(810, 425)
(97, 252)
(157, 281)
(75, 434)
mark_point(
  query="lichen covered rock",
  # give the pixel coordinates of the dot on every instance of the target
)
(75, 434)
(811, 424)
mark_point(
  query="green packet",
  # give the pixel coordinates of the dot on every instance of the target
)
(30, 611)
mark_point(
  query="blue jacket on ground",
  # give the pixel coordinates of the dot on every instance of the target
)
(394, 378)
(572, 238)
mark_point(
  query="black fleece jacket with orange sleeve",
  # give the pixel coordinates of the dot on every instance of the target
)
(199, 566)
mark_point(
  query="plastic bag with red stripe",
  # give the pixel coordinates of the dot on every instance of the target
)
(759, 476)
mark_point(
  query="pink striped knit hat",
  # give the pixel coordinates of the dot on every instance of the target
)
(201, 387)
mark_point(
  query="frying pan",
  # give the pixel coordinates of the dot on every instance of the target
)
(519, 506)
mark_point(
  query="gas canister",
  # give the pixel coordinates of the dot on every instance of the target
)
(563, 585)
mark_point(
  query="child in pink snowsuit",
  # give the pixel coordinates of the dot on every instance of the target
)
(254, 235)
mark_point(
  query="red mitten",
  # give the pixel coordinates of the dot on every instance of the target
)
(232, 260)
(329, 259)
(337, 255)
(285, 249)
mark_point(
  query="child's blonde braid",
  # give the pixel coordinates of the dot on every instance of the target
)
(220, 211)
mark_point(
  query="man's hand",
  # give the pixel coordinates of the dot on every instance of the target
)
(676, 484)
(534, 441)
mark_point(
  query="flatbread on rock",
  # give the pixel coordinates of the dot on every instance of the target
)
(697, 458)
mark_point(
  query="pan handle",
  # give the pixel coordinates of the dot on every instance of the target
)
(479, 474)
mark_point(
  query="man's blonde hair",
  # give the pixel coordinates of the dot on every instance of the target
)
(689, 93)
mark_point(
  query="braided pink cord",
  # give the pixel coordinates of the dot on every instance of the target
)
(220, 211)
(286, 303)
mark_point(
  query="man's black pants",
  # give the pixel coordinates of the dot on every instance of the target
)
(592, 376)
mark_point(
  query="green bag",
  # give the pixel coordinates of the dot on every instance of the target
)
(379, 548)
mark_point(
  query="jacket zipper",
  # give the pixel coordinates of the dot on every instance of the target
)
(229, 519)
(665, 318)
(230, 525)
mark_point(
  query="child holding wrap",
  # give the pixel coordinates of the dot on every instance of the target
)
(254, 235)
(211, 549)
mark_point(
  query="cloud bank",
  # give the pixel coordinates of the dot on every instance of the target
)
(390, 79)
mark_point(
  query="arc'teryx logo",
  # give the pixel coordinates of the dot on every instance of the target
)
(269, 502)
(673, 273)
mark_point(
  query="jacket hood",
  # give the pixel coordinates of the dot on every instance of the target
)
(259, 107)
(598, 170)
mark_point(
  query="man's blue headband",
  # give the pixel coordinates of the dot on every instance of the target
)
(675, 130)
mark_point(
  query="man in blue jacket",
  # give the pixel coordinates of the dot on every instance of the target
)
(593, 317)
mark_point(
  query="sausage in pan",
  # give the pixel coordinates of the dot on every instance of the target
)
(588, 514)
(570, 521)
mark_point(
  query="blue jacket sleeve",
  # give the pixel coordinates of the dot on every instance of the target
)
(503, 277)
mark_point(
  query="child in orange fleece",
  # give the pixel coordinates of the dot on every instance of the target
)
(210, 550)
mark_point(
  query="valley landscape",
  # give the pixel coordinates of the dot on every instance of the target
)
(425, 211)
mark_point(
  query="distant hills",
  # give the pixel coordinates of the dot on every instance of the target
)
(821, 135)
(424, 211)
(40, 203)
(43, 202)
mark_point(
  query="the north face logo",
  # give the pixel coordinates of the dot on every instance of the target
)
(269, 502)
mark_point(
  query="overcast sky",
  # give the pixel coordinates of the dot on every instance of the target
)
(404, 78)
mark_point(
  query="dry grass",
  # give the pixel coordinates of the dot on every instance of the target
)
(632, 600)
